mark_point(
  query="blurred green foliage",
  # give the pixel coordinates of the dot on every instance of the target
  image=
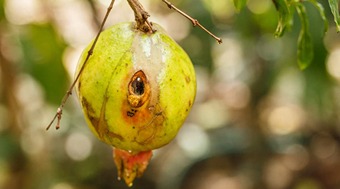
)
(240, 4)
(42, 54)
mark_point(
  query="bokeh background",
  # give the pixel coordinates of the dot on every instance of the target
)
(258, 121)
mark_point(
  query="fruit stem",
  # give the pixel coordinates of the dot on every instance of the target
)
(141, 17)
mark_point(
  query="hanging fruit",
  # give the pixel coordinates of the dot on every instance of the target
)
(136, 90)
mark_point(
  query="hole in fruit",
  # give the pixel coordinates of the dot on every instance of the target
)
(139, 89)
(138, 86)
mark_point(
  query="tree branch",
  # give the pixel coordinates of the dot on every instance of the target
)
(194, 21)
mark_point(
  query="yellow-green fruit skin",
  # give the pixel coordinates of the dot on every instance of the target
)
(107, 101)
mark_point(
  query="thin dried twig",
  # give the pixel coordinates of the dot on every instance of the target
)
(69, 91)
(194, 21)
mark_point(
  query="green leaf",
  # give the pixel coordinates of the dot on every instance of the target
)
(284, 16)
(334, 5)
(305, 45)
(321, 10)
(305, 50)
(240, 4)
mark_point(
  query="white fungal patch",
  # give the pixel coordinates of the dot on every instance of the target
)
(148, 55)
(146, 46)
(165, 54)
(126, 31)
